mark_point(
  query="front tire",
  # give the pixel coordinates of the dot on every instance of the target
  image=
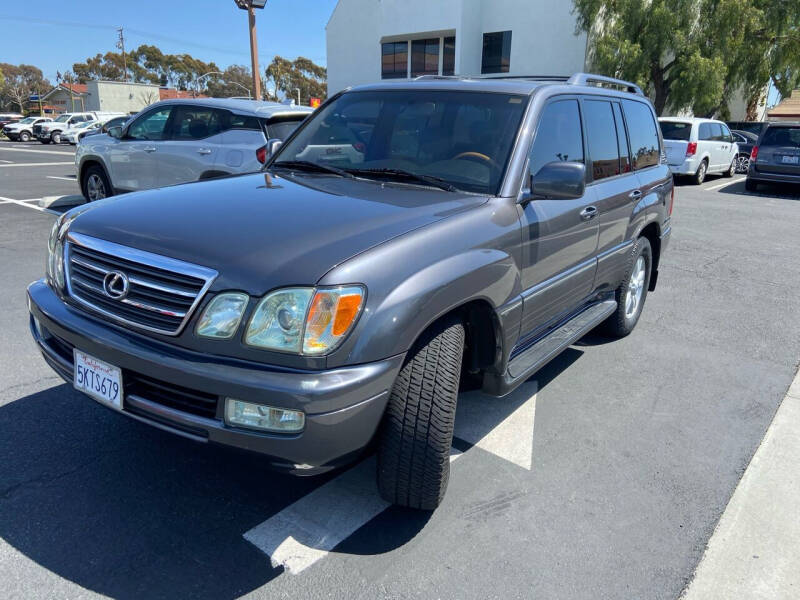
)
(700, 176)
(417, 429)
(95, 184)
(731, 170)
(56, 138)
(24, 136)
(632, 292)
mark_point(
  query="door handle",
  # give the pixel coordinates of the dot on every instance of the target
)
(588, 213)
(149, 148)
(635, 194)
(204, 151)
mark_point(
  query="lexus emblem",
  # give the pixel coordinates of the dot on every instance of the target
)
(116, 285)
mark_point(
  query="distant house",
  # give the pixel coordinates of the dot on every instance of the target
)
(66, 97)
(787, 109)
(172, 93)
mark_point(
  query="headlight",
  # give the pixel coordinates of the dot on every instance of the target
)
(55, 255)
(222, 316)
(302, 320)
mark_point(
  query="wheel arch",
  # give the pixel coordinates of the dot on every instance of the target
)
(652, 232)
(83, 168)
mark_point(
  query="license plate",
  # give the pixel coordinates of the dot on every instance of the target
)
(791, 160)
(98, 379)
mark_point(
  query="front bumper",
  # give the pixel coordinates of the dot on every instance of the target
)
(343, 406)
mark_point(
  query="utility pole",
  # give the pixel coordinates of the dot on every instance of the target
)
(250, 6)
(121, 46)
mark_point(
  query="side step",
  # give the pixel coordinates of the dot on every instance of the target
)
(542, 352)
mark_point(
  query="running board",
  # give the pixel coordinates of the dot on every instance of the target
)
(542, 352)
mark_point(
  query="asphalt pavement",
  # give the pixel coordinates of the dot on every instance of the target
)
(625, 453)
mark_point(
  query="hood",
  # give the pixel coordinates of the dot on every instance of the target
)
(260, 231)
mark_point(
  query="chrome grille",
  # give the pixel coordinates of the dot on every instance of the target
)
(160, 293)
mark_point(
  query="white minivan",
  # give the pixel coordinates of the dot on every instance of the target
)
(697, 147)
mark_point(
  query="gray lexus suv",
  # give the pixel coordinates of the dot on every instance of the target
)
(407, 238)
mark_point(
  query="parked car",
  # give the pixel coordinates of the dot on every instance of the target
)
(696, 147)
(754, 127)
(178, 141)
(8, 118)
(72, 134)
(51, 132)
(745, 141)
(776, 156)
(115, 122)
(22, 131)
(482, 228)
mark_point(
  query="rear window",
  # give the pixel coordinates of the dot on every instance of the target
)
(782, 136)
(283, 128)
(675, 130)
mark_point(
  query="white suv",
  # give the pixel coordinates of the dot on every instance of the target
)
(23, 130)
(51, 132)
(183, 140)
(697, 147)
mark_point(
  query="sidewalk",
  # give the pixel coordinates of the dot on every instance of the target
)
(755, 550)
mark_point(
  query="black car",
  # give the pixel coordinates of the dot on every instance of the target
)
(746, 141)
(115, 122)
(406, 237)
(776, 156)
(754, 127)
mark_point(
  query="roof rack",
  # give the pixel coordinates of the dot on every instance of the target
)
(533, 77)
(585, 78)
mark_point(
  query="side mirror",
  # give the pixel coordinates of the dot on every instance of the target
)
(115, 131)
(272, 146)
(557, 180)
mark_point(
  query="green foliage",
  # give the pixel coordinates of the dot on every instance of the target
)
(301, 74)
(20, 82)
(694, 54)
(236, 80)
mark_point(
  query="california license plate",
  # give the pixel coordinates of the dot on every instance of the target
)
(791, 160)
(98, 379)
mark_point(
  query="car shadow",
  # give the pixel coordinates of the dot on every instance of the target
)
(129, 511)
(783, 191)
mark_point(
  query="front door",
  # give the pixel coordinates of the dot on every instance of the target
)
(193, 145)
(134, 158)
(559, 236)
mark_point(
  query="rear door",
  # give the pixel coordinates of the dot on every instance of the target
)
(242, 138)
(190, 151)
(779, 151)
(677, 135)
(559, 242)
(614, 185)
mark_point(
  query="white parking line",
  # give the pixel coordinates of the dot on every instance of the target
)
(305, 532)
(64, 178)
(6, 161)
(26, 204)
(724, 183)
(24, 149)
(42, 164)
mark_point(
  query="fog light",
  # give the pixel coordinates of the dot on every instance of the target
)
(263, 418)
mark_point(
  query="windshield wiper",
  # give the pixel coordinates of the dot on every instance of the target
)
(307, 165)
(426, 179)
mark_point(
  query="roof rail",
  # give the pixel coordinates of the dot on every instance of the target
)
(585, 78)
(534, 77)
(429, 77)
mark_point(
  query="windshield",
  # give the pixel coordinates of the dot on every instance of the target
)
(675, 130)
(28, 120)
(62, 118)
(461, 138)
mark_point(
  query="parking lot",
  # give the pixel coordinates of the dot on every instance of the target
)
(604, 476)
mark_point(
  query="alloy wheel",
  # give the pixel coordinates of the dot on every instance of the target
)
(95, 188)
(633, 298)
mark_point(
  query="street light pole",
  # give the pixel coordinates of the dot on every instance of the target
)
(298, 95)
(250, 6)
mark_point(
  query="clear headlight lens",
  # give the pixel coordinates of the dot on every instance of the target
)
(222, 316)
(277, 323)
(263, 418)
(55, 255)
(304, 320)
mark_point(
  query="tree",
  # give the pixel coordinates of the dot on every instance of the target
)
(301, 74)
(693, 53)
(21, 82)
(236, 80)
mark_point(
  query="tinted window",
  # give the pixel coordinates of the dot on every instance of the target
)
(449, 56)
(464, 138)
(782, 136)
(716, 132)
(601, 134)
(622, 140)
(282, 128)
(675, 130)
(150, 126)
(726, 133)
(196, 122)
(425, 57)
(643, 134)
(704, 132)
(394, 60)
(496, 52)
(558, 137)
(242, 122)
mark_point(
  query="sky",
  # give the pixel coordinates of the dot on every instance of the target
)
(54, 34)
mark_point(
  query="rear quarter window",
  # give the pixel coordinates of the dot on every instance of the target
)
(645, 146)
(782, 136)
(282, 128)
(674, 130)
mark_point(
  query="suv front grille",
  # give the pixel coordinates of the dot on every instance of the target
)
(180, 398)
(152, 292)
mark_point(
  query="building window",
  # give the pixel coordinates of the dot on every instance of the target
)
(496, 52)
(449, 56)
(394, 60)
(425, 57)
